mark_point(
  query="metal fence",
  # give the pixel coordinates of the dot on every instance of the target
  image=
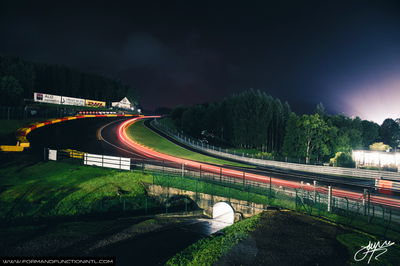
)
(312, 199)
(225, 153)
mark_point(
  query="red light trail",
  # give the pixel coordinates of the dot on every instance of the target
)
(150, 153)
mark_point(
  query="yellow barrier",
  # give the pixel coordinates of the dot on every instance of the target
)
(74, 153)
(22, 141)
(11, 148)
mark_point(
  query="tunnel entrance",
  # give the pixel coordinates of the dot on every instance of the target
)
(223, 212)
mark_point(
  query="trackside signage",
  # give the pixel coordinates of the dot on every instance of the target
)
(93, 103)
(72, 101)
(107, 161)
(63, 100)
(46, 98)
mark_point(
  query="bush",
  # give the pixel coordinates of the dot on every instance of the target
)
(342, 159)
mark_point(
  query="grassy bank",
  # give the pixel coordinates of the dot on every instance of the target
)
(9, 127)
(62, 188)
(33, 188)
(209, 250)
(140, 133)
(277, 198)
(263, 240)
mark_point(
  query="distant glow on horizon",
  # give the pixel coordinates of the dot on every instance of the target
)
(375, 101)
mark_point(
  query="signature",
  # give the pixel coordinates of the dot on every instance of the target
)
(371, 249)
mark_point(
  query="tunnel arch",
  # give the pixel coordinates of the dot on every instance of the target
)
(223, 212)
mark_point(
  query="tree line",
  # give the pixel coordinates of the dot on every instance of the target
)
(20, 78)
(237, 121)
(255, 120)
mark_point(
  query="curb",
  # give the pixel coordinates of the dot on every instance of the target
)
(21, 133)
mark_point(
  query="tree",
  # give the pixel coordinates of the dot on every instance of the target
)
(379, 146)
(10, 90)
(370, 132)
(315, 135)
(320, 109)
(292, 145)
(389, 132)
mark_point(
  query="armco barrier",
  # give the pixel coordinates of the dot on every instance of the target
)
(107, 161)
(22, 141)
(360, 173)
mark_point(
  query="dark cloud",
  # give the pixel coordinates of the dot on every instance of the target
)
(185, 52)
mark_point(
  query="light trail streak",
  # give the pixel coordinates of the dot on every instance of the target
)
(147, 151)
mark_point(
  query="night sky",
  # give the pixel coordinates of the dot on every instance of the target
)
(343, 54)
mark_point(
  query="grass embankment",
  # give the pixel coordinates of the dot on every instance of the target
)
(30, 188)
(207, 251)
(9, 127)
(33, 188)
(273, 197)
(264, 240)
(141, 134)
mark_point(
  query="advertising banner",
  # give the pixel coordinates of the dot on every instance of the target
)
(46, 98)
(72, 101)
(93, 103)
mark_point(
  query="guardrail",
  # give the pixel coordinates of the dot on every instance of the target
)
(328, 170)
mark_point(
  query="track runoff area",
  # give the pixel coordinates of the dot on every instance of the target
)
(241, 174)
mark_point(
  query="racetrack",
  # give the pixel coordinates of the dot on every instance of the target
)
(245, 175)
(106, 136)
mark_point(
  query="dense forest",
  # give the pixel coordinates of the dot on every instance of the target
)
(20, 78)
(254, 120)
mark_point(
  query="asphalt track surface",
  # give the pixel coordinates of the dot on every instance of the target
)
(103, 136)
(82, 135)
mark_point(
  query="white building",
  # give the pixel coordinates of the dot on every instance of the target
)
(123, 104)
(377, 158)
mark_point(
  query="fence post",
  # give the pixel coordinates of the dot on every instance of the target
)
(329, 198)
(369, 206)
(220, 174)
(244, 176)
(270, 187)
(363, 201)
(183, 170)
(315, 191)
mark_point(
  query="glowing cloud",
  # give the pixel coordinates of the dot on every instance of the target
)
(375, 101)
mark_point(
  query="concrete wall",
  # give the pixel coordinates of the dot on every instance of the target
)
(242, 208)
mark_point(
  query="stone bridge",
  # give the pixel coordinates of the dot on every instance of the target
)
(213, 206)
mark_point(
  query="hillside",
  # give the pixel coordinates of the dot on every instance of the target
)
(20, 78)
